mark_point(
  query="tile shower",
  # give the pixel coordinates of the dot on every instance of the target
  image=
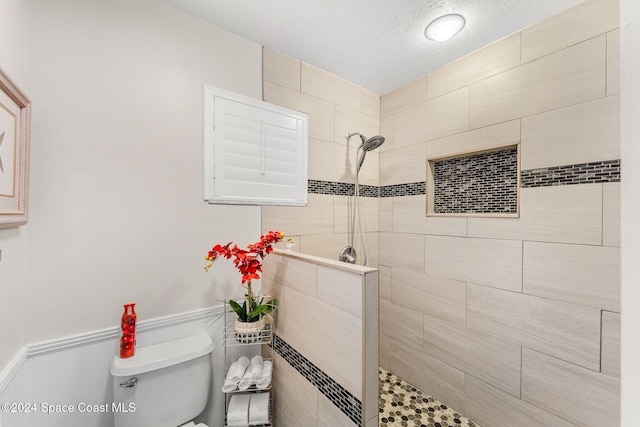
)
(510, 321)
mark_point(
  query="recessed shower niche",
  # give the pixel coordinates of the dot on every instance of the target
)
(480, 183)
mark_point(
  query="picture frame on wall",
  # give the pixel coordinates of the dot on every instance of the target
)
(15, 135)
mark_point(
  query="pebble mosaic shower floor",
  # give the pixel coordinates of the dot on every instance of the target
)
(403, 405)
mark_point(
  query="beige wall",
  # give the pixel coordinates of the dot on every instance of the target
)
(335, 107)
(516, 321)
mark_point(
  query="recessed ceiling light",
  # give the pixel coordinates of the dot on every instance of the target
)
(444, 27)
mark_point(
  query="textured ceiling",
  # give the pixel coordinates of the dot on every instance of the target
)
(377, 44)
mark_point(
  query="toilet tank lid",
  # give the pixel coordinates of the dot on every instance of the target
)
(161, 355)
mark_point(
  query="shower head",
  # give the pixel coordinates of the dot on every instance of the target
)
(371, 143)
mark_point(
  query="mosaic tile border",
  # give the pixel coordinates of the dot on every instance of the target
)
(582, 173)
(338, 395)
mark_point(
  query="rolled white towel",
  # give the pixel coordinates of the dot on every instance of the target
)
(265, 377)
(234, 374)
(246, 381)
(256, 367)
(238, 412)
(259, 408)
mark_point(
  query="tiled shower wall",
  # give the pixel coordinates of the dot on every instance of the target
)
(335, 107)
(512, 321)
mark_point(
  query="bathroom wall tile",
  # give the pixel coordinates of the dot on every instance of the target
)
(367, 211)
(613, 62)
(409, 216)
(489, 406)
(323, 245)
(326, 86)
(291, 272)
(371, 398)
(329, 337)
(341, 289)
(280, 69)
(566, 214)
(384, 350)
(440, 380)
(402, 250)
(567, 331)
(475, 140)
(488, 61)
(582, 133)
(329, 415)
(349, 120)
(386, 214)
(324, 167)
(569, 391)
(368, 174)
(611, 344)
(315, 218)
(371, 104)
(442, 116)
(321, 113)
(586, 20)
(573, 75)
(401, 324)
(579, 274)
(386, 130)
(487, 358)
(293, 396)
(611, 203)
(403, 165)
(490, 262)
(384, 282)
(436, 296)
(404, 97)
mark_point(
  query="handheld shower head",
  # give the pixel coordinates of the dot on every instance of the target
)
(368, 145)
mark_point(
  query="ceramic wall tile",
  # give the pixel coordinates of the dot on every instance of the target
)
(613, 62)
(349, 121)
(384, 350)
(328, 337)
(315, 218)
(326, 86)
(475, 140)
(488, 61)
(586, 20)
(371, 104)
(489, 406)
(402, 250)
(443, 382)
(446, 115)
(436, 296)
(367, 211)
(321, 113)
(491, 262)
(564, 214)
(403, 165)
(401, 323)
(385, 282)
(386, 130)
(329, 415)
(291, 272)
(323, 245)
(386, 214)
(611, 203)
(579, 274)
(611, 344)
(487, 358)
(341, 289)
(280, 69)
(323, 165)
(294, 397)
(570, 76)
(567, 331)
(409, 216)
(581, 133)
(570, 391)
(404, 97)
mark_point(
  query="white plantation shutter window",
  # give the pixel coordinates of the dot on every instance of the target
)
(255, 152)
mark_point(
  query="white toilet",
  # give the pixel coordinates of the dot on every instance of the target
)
(162, 385)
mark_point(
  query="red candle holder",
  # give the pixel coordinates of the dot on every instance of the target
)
(128, 325)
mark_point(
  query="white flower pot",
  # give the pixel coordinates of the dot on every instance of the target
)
(249, 332)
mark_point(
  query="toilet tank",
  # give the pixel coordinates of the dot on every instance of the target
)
(162, 385)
